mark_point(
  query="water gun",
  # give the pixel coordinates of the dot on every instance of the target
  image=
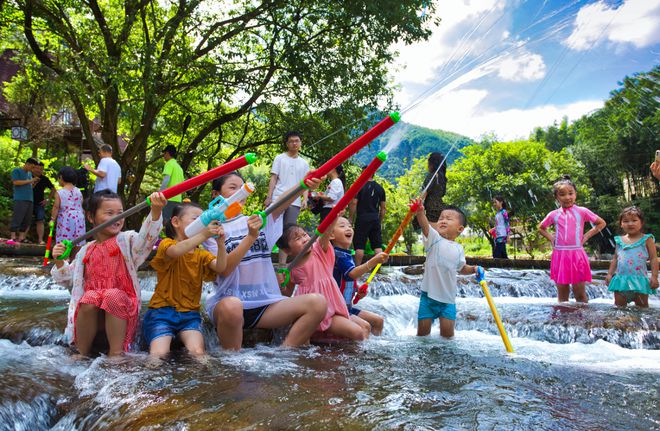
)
(369, 171)
(362, 290)
(220, 209)
(189, 184)
(335, 161)
(50, 240)
(481, 279)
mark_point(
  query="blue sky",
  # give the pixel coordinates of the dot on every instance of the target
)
(506, 66)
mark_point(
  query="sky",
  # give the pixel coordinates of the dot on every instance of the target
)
(504, 67)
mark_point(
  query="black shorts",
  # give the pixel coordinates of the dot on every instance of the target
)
(252, 316)
(367, 229)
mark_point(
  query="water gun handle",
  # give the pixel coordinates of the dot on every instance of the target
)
(69, 247)
(287, 276)
(480, 274)
(361, 293)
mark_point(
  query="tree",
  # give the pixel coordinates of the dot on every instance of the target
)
(225, 63)
(523, 172)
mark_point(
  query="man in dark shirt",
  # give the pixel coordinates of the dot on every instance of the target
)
(368, 209)
(38, 192)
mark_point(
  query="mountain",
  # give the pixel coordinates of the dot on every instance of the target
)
(416, 141)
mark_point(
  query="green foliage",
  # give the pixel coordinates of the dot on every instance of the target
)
(245, 72)
(523, 172)
(555, 138)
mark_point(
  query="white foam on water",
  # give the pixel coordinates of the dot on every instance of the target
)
(600, 356)
(35, 294)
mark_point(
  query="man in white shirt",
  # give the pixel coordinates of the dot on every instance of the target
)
(287, 171)
(108, 173)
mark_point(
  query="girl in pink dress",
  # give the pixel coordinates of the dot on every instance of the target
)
(569, 265)
(68, 207)
(314, 275)
(105, 292)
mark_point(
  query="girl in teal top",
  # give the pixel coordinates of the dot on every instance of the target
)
(631, 281)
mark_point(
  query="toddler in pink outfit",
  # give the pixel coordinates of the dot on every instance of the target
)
(314, 275)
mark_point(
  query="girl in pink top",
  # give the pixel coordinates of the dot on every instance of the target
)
(569, 264)
(314, 275)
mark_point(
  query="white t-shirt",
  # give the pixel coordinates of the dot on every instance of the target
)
(444, 258)
(290, 171)
(112, 175)
(335, 190)
(253, 281)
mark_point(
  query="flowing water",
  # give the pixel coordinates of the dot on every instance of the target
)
(592, 367)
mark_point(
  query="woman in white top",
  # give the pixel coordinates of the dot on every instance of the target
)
(334, 192)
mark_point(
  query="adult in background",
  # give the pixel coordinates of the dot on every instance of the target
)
(172, 175)
(334, 192)
(432, 198)
(108, 172)
(22, 181)
(38, 199)
(287, 171)
(368, 209)
(655, 169)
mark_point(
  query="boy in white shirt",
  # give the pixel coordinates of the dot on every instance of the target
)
(444, 258)
(287, 172)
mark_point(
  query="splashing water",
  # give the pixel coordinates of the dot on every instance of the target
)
(396, 136)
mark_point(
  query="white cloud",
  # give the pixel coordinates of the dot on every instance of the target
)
(634, 22)
(526, 66)
(459, 111)
(419, 62)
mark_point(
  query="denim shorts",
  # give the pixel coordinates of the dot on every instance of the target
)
(166, 321)
(431, 309)
(39, 212)
(353, 310)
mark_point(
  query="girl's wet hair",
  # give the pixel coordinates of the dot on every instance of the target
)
(98, 198)
(287, 236)
(500, 199)
(178, 211)
(68, 174)
(565, 180)
(631, 211)
(219, 182)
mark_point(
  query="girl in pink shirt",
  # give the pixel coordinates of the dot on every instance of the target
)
(314, 275)
(569, 264)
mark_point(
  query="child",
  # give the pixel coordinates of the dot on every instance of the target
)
(247, 294)
(569, 264)
(105, 293)
(181, 267)
(501, 231)
(631, 282)
(314, 275)
(68, 209)
(444, 258)
(346, 273)
(333, 193)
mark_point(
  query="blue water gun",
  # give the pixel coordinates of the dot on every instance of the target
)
(220, 209)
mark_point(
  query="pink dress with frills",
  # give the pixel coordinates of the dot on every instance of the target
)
(569, 263)
(315, 276)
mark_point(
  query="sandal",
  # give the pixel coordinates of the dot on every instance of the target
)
(25, 241)
(11, 242)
